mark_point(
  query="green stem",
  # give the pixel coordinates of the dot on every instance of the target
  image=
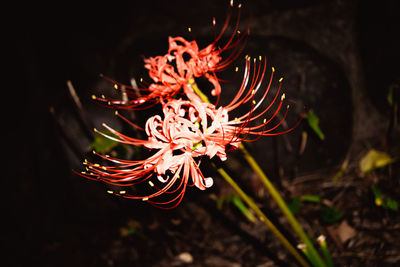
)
(262, 216)
(282, 205)
(325, 250)
(198, 91)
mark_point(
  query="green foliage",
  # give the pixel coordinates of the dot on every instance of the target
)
(238, 203)
(313, 122)
(295, 205)
(338, 175)
(325, 251)
(391, 204)
(341, 171)
(311, 198)
(374, 159)
(103, 144)
(132, 228)
(330, 215)
(296, 202)
(383, 200)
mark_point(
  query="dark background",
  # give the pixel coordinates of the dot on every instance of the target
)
(56, 218)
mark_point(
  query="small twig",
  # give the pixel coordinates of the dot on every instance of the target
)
(342, 184)
(63, 131)
(285, 126)
(125, 98)
(135, 86)
(308, 178)
(303, 143)
(83, 119)
(339, 195)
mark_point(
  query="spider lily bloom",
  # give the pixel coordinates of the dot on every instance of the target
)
(205, 62)
(178, 140)
(189, 131)
(183, 62)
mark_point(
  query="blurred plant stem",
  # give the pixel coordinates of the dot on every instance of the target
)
(283, 206)
(262, 216)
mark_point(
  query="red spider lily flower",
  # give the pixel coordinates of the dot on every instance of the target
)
(178, 140)
(183, 62)
(188, 131)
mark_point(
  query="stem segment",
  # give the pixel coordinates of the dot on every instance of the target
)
(198, 91)
(282, 205)
(262, 216)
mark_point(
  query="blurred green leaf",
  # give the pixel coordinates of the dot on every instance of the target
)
(296, 202)
(374, 159)
(392, 204)
(295, 205)
(103, 144)
(242, 207)
(313, 122)
(311, 198)
(220, 203)
(383, 200)
(238, 203)
(338, 175)
(132, 228)
(378, 195)
(330, 215)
